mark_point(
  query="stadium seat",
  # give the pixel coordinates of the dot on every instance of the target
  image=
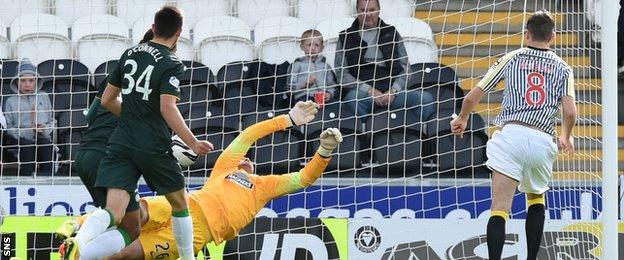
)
(252, 11)
(70, 125)
(221, 40)
(69, 10)
(14, 8)
(438, 80)
(238, 81)
(453, 154)
(330, 29)
(131, 10)
(396, 141)
(40, 37)
(253, 87)
(314, 11)
(185, 49)
(212, 125)
(349, 154)
(8, 69)
(67, 83)
(96, 44)
(195, 10)
(277, 153)
(195, 76)
(396, 8)
(277, 39)
(417, 37)
(102, 71)
(5, 45)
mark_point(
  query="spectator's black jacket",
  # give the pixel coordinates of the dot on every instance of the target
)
(379, 77)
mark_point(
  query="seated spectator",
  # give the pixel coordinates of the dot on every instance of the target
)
(371, 63)
(311, 74)
(30, 121)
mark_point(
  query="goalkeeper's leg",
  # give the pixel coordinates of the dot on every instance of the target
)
(503, 189)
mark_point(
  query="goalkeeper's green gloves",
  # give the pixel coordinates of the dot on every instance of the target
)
(330, 138)
(303, 112)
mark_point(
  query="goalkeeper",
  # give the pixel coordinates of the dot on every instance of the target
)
(232, 196)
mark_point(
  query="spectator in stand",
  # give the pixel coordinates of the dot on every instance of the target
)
(371, 62)
(310, 77)
(30, 121)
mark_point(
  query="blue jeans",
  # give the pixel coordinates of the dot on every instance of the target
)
(418, 102)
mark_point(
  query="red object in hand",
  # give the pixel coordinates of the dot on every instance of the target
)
(319, 98)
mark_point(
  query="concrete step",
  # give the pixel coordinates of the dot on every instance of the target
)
(444, 40)
(583, 73)
(493, 5)
(497, 51)
(493, 109)
(468, 62)
(477, 17)
(581, 84)
(589, 131)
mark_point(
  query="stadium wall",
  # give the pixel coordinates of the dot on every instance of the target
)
(444, 227)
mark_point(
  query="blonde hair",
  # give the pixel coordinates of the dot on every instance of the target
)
(311, 34)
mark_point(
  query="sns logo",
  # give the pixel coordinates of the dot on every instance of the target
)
(46, 200)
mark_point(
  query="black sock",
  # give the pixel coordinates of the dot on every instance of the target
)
(534, 228)
(495, 237)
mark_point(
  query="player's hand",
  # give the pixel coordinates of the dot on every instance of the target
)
(567, 144)
(202, 147)
(458, 126)
(330, 138)
(303, 112)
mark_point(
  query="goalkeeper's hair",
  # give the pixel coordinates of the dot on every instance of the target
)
(167, 21)
(541, 25)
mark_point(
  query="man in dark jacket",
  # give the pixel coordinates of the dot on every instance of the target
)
(371, 63)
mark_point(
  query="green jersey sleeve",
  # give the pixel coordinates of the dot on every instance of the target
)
(115, 77)
(170, 84)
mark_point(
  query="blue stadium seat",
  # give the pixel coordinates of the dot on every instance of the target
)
(350, 154)
(195, 85)
(438, 80)
(8, 69)
(236, 80)
(453, 154)
(277, 153)
(102, 71)
(211, 124)
(396, 141)
(67, 83)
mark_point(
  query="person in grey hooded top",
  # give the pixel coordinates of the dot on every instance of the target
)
(30, 120)
(311, 73)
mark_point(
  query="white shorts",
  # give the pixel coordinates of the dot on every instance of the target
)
(523, 154)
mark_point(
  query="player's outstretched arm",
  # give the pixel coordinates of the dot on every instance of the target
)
(93, 108)
(277, 185)
(174, 119)
(458, 124)
(301, 113)
(569, 119)
(110, 101)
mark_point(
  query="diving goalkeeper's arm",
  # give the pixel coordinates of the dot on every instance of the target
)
(274, 186)
(228, 161)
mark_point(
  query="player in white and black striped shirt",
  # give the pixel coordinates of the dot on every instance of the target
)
(537, 81)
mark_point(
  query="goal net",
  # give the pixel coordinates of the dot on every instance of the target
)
(399, 185)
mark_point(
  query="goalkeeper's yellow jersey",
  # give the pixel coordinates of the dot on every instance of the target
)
(231, 197)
